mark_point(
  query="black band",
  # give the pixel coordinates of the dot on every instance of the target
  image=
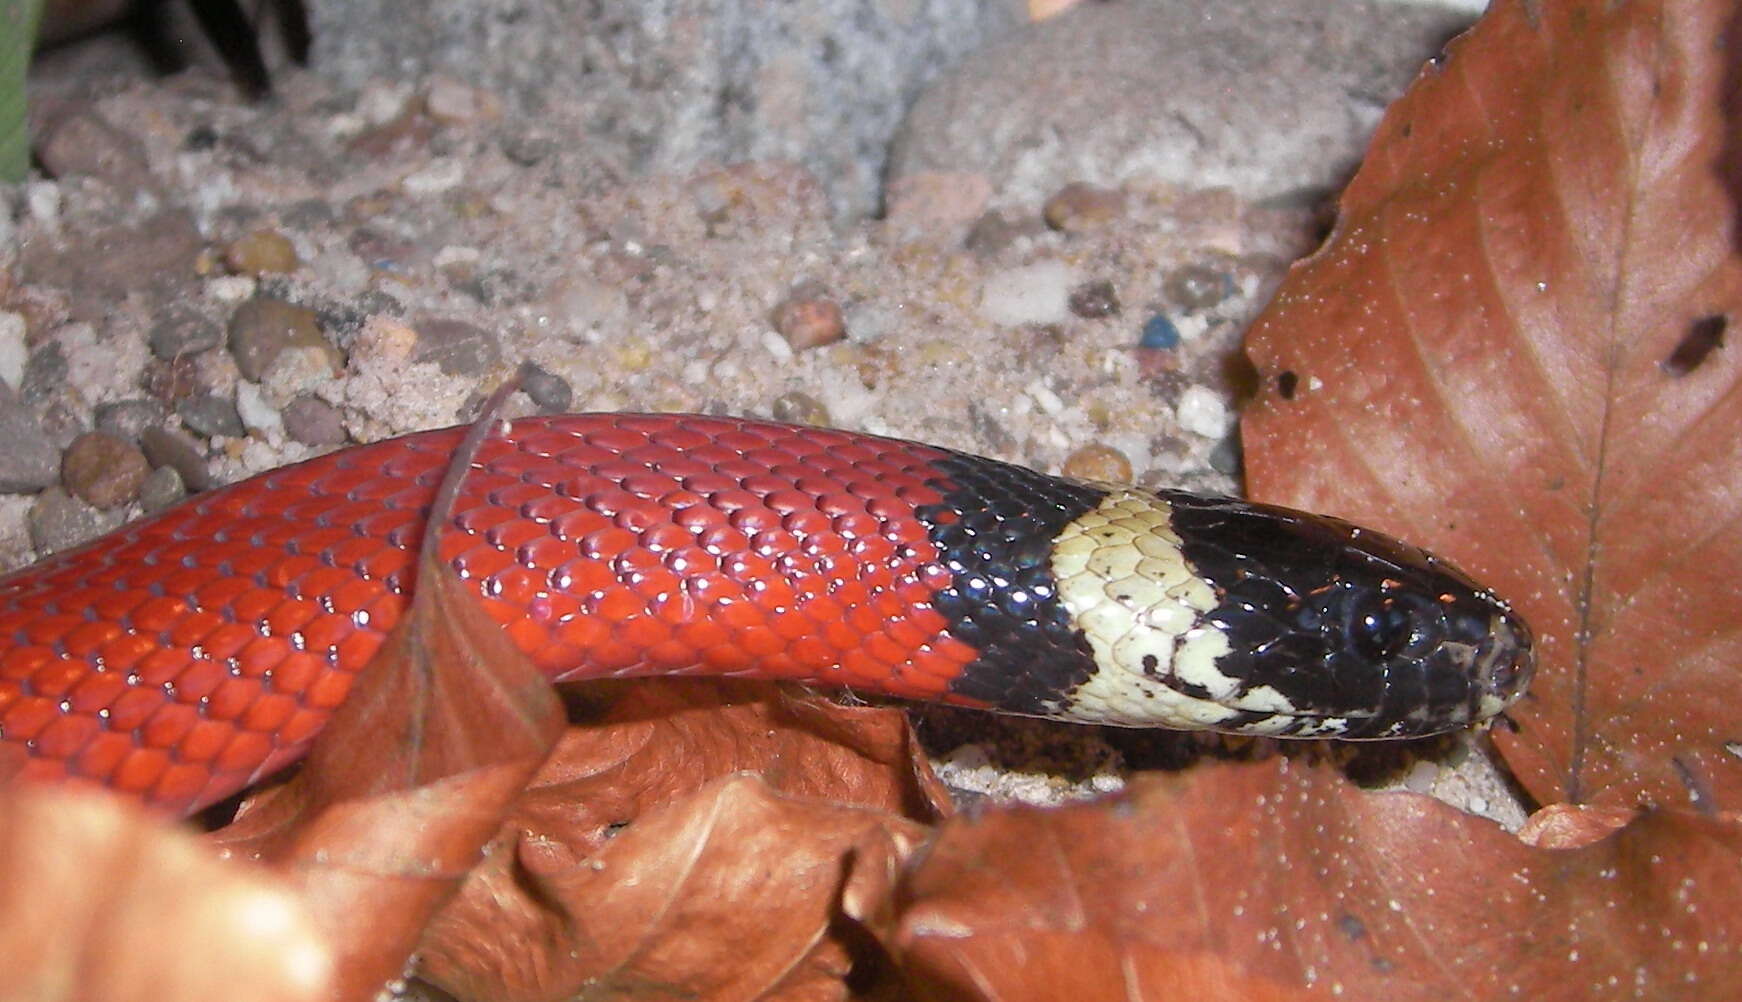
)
(994, 531)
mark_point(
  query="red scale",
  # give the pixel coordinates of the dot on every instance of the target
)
(605, 545)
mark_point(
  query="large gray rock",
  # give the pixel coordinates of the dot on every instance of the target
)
(671, 83)
(1272, 98)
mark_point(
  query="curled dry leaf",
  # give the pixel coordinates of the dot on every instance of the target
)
(727, 893)
(1568, 826)
(409, 780)
(1283, 878)
(414, 772)
(1513, 352)
(514, 931)
(99, 900)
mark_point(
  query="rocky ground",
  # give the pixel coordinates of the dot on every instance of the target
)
(1039, 242)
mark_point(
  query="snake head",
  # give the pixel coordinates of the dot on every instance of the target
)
(1257, 619)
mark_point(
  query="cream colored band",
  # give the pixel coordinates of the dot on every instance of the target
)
(1123, 575)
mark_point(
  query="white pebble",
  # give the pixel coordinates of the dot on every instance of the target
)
(381, 103)
(867, 322)
(1038, 293)
(440, 175)
(344, 125)
(13, 353)
(1049, 402)
(776, 345)
(43, 198)
(1191, 326)
(231, 288)
(255, 412)
(454, 254)
(1202, 412)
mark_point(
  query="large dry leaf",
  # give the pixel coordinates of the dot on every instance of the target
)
(729, 893)
(99, 900)
(413, 774)
(519, 929)
(1279, 877)
(1499, 356)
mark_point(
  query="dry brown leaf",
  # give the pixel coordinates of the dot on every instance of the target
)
(99, 900)
(408, 781)
(1274, 874)
(414, 772)
(656, 742)
(726, 894)
(1496, 356)
(1569, 826)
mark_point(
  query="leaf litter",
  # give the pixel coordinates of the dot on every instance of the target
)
(1275, 877)
(1489, 358)
(1512, 350)
(649, 842)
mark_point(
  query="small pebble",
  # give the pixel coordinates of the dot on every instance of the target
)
(1098, 461)
(867, 322)
(809, 318)
(528, 148)
(183, 331)
(85, 144)
(172, 380)
(551, 393)
(45, 372)
(994, 232)
(161, 489)
(312, 421)
(1078, 207)
(1038, 293)
(127, 419)
(382, 251)
(200, 138)
(309, 213)
(103, 471)
(164, 447)
(583, 302)
(800, 408)
(931, 202)
(262, 328)
(1203, 412)
(255, 413)
(397, 138)
(58, 521)
(1159, 333)
(1197, 286)
(439, 175)
(452, 102)
(63, 421)
(13, 351)
(1093, 300)
(460, 348)
(261, 252)
(495, 286)
(30, 461)
(211, 416)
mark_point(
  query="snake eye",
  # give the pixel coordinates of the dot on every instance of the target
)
(1378, 627)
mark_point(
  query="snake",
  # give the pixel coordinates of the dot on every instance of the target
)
(199, 650)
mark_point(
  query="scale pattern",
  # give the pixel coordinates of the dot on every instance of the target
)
(196, 651)
(189, 654)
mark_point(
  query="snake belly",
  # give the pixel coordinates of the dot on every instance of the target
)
(196, 651)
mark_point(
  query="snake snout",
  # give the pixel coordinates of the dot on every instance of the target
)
(1505, 664)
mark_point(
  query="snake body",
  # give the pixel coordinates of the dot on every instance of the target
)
(193, 652)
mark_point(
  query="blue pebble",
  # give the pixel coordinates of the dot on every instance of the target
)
(1159, 332)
